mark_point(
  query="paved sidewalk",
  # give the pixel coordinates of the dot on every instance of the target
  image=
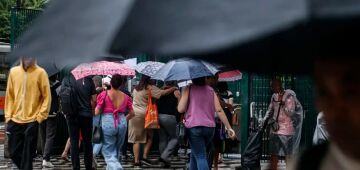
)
(230, 162)
(178, 162)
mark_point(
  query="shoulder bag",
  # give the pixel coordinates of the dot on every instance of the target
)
(180, 127)
(97, 131)
(151, 115)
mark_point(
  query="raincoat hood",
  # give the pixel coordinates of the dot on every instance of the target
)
(290, 92)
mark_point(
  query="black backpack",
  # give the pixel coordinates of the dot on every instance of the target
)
(69, 96)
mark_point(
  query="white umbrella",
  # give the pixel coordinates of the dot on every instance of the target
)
(148, 68)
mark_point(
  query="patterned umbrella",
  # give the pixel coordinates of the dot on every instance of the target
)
(149, 68)
(102, 68)
(230, 75)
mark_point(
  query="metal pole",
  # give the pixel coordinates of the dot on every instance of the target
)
(18, 3)
(13, 27)
(129, 85)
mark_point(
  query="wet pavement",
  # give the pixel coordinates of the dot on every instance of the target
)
(230, 161)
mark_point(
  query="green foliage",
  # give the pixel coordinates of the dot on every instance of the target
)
(5, 6)
(35, 4)
(5, 15)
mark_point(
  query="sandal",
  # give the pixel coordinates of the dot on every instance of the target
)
(65, 158)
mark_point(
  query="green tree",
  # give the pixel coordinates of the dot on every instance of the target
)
(35, 4)
(5, 6)
(5, 16)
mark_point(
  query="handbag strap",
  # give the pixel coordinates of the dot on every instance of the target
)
(278, 113)
(277, 116)
(103, 106)
(149, 96)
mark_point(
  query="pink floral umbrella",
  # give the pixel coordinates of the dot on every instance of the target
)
(230, 75)
(102, 68)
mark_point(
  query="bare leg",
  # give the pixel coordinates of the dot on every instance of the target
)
(274, 162)
(288, 158)
(220, 158)
(136, 150)
(215, 160)
(65, 153)
(148, 143)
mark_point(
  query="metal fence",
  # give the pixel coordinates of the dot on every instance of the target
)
(21, 18)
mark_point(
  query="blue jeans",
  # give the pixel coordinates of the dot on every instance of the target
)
(199, 138)
(97, 148)
(113, 140)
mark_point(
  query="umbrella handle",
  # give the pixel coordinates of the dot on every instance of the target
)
(251, 109)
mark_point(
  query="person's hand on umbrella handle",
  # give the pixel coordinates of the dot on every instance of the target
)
(177, 94)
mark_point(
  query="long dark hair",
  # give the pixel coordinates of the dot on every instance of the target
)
(199, 81)
(116, 81)
(222, 87)
(144, 82)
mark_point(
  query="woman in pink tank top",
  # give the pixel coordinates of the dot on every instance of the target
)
(112, 105)
(200, 103)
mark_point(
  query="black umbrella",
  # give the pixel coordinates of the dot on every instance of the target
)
(50, 68)
(271, 35)
(217, 30)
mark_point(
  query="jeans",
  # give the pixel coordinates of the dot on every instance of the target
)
(113, 139)
(124, 148)
(75, 124)
(96, 147)
(48, 133)
(167, 136)
(22, 143)
(199, 138)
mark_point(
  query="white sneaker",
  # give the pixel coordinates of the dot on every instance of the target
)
(47, 164)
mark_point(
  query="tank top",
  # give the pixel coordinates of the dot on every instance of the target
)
(201, 107)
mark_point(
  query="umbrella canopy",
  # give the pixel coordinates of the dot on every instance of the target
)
(50, 68)
(185, 69)
(230, 75)
(269, 34)
(102, 68)
(149, 68)
(69, 32)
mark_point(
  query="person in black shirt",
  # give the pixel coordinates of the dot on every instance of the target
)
(125, 146)
(227, 99)
(167, 108)
(48, 127)
(86, 97)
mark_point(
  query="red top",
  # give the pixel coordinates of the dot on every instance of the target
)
(109, 107)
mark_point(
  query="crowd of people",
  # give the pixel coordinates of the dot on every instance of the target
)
(204, 107)
(106, 103)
